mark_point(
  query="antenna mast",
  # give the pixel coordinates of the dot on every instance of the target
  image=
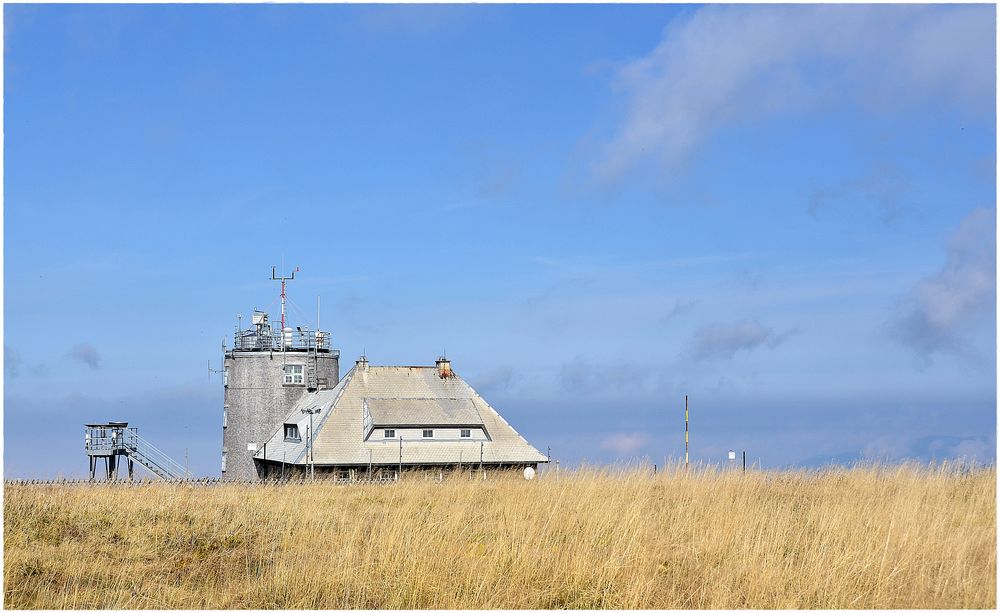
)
(283, 279)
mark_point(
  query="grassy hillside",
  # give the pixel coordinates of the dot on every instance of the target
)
(859, 538)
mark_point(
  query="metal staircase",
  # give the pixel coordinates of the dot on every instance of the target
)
(159, 463)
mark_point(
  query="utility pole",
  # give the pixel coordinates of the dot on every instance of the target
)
(309, 442)
(400, 455)
(481, 460)
(685, 432)
(744, 461)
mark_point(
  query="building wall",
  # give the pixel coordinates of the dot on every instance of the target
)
(257, 400)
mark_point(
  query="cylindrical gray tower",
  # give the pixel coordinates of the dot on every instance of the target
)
(264, 375)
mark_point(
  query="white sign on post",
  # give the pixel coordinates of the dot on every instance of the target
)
(732, 455)
(253, 447)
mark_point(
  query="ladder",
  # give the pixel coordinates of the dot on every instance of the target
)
(312, 380)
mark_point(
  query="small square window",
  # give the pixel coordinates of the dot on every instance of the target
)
(390, 433)
(466, 433)
(293, 374)
(292, 432)
(428, 434)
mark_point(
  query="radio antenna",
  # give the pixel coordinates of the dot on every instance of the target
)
(283, 279)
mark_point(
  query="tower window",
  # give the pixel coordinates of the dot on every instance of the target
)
(225, 377)
(428, 434)
(293, 374)
(466, 433)
(390, 434)
(292, 432)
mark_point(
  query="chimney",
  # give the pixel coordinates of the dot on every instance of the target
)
(361, 363)
(444, 367)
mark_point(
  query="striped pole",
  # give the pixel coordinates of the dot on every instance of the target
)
(685, 432)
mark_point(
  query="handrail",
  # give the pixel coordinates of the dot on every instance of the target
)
(165, 462)
(256, 340)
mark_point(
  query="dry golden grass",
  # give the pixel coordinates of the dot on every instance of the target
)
(861, 538)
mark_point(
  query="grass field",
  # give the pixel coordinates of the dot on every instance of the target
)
(900, 537)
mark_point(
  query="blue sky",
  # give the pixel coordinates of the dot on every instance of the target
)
(785, 212)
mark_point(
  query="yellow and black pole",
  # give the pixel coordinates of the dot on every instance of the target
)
(685, 432)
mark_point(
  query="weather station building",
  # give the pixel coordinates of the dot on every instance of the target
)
(288, 414)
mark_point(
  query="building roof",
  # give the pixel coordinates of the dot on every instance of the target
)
(400, 396)
(423, 412)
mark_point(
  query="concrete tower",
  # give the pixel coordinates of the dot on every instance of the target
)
(264, 375)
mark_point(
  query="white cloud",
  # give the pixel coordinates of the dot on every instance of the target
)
(625, 443)
(725, 65)
(943, 308)
(11, 361)
(975, 449)
(87, 354)
(718, 340)
(497, 379)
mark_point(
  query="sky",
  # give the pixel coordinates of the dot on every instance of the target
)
(785, 213)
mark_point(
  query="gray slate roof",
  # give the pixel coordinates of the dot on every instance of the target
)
(398, 396)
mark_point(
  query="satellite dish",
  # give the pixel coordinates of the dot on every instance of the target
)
(529, 473)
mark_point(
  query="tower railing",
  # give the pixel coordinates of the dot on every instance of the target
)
(252, 340)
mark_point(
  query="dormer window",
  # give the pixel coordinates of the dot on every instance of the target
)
(292, 433)
(390, 434)
(428, 434)
(466, 433)
(293, 374)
